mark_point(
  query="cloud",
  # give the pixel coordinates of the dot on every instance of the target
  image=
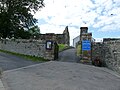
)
(49, 28)
(74, 32)
(110, 28)
(101, 15)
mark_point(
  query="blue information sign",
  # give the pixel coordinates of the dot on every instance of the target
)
(86, 45)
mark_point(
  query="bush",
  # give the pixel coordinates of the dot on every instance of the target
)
(62, 47)
(79, 50)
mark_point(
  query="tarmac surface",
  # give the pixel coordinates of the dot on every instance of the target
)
(55, 75)
(68, 56)
(9, 62)
(64, 74)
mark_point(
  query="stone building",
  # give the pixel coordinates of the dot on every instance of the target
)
(63, 38)
(66, 35)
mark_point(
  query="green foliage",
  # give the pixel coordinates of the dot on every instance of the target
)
(17, 15)
(79, 50)
(28, 57)
(22, 34)
(34, 31)
(85, 53)
(62, 47)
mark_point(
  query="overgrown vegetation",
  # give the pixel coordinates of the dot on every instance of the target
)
(78, 50)
(28, 57)
(63, 47)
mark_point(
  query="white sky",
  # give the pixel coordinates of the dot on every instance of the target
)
(101, 16)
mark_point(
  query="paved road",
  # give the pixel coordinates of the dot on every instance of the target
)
(68, 56)
(8, 62)
(55, 75)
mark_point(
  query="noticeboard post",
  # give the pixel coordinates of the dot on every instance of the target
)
(49, 45)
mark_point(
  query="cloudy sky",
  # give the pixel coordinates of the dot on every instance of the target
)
(102, 17)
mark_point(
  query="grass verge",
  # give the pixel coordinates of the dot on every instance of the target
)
(78, 50)
(28, 57)
(63, 47)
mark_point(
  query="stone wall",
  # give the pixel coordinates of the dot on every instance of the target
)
(112, 53)
(67, 36)
(63, 38)
(60, 38)
(108, 52)
(28, 47)
(97, 50)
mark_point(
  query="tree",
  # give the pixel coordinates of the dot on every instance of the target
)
(34, 30)
(22, 34)
(17, 15)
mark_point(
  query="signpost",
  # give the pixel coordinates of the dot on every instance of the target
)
(86, 45)
(86, 50)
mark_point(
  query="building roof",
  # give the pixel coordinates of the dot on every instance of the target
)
(76, 37)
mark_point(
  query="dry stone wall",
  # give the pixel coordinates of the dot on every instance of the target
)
(108, 52)
(97, 51)
(28, 47)
(112, 53)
